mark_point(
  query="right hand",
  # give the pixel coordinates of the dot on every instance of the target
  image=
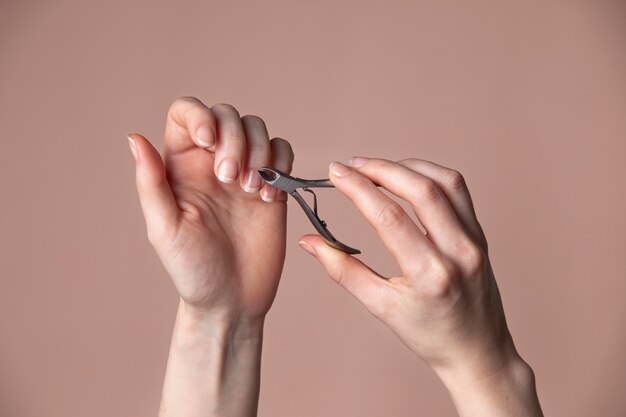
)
(445, 306)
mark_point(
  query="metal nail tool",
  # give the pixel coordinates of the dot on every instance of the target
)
(290, 185)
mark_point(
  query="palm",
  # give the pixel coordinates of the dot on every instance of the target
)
(229, 249)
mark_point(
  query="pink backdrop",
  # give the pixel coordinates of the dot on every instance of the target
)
(527, 99)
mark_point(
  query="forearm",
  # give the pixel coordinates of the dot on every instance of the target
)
(213, 367)
(509, 392)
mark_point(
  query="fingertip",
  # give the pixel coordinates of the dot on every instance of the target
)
(310, 239)
(133, 147)
(149, 165)
(282, 154)
(137, 140)
(307, 247)
(358, 161)
(318, 245)
(337, 169)
(205, 136)
(323, 250)
(268, 193)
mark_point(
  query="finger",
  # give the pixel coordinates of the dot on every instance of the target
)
(371, 289)
(453, 185)
(431, 206)
(399, 233)
(231, 143)
(158, 204)
(258, 152)
(282, 160)
(189, 123)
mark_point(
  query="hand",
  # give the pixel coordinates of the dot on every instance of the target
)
(445, 306)
(222, 245)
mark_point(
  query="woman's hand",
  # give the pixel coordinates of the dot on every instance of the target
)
(445, 306)
(223, 246)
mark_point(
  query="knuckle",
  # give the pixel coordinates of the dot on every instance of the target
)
(225, 108)
(337, 273)
(455, 180)
(156, 235)
(482, 238)
(392, 214)
(441, 279)
(407, 161)
(380, 164)
(427, 190)
(184, 108)
(186, 100)
(145, 184)
(278, 141)
(161, 234)
(182, 102)
(153, 237)
(380, 307)
(283, 145)
(472, 258)
(253, 120)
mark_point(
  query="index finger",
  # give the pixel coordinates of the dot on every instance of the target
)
(432, 208)
(405, 241)
(189, 123)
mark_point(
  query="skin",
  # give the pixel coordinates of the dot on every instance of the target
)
(209, 225)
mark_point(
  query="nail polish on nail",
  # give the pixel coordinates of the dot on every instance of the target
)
(358, 161)
(338, 169)
(228, 171)
(252, 182)
(133, 147)
(204, 136)
(307, 247)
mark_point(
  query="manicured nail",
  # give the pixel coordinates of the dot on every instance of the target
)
(307, 247)
(252, 182)
(133, 147)
(228, 171)
(204, 136)
(338, 169)
(358, 161)
(268, 194)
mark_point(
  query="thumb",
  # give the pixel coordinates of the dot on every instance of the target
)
(366, 285)
(155, 195)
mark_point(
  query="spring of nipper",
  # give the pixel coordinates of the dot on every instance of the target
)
(290, 185)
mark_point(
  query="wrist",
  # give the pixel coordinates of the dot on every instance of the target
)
(219, 328)
(213, 366)
(510, 390)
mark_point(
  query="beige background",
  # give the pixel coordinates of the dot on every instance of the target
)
(527, 99)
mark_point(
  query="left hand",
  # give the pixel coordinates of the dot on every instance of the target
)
(222, 245)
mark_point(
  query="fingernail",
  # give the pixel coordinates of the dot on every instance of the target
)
(338, 169)
(204, 136)
(268, 194)
(358, 161)
(133, 147)
(252, 181)
(228, 171)
(307, 247)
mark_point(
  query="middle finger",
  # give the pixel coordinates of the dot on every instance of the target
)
(231, 143)
(258, 145)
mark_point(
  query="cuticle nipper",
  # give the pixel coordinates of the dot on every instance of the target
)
(290, 185)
